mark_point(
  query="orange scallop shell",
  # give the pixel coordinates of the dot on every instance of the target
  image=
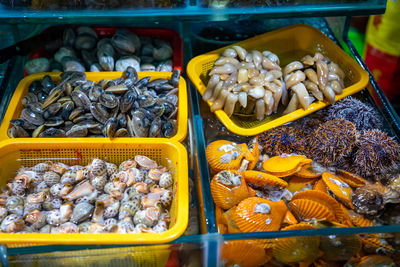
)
(320, 186)
(347, 220)
(339, 189)
(285, 166)
(308, 171)
(371, 260)
(226, 196)
(250, 221)
(305, 209)
(229, 219)
(296, 249)
(324, 199)
(262, 179)
(297, 183)
(225, 155)
(219, 215)
(359, 220)
(325, 263)
(254, 148)
(222, 228)
(244, 253)
(376, 244)
(298, 226)
(252, 192)
(351, 179)
(289, 218)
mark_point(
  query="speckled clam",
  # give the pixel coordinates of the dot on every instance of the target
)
(88, 199)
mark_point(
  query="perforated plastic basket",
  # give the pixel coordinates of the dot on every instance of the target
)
(15, 107)
(289, 43)
(171, 154)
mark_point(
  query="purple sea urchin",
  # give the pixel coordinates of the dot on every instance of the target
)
(376, 153)
(332, 141)
(364, 115)
(284, 139)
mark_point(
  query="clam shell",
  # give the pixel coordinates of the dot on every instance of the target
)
(254, 148)
(248, 220)
(262, 179)
(359, 220)
(285, 166)
(225, 155)
(298, 184)
(307, 171)
(351, 179)
(323, 199)
(296, 249)
(320, 186)
(244, 253)
(228, 196)
(338, 188)
(305, 209)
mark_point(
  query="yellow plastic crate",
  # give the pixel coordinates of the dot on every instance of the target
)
(289, 43)
(15, 107)
(169, 153)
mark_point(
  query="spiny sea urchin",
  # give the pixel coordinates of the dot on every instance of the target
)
(364, 115)
(376, 153)
(332, 141)
(284, 139)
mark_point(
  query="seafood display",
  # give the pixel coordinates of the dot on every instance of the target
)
(337, 173)
(84, 50)
(101, 197)
(76, 107)
(250, 82)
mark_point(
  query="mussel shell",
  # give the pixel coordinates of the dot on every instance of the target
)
(42, 96)
(131, 73)
(110, 127)
(88, 57)
(108, 100)
(68, 37)
(68, 125)
(169, 128)
(76, 113)
(51, 110)
(54, 121)
(175, 77)
(17, 131)
(24, 124)
(157, 82)
(67, 88)
(97, 114)
(121, 132)
(127, 101)
(52, 132)
(95, 92)
(140, 124)
(77, 131)
(38, 131)
(66, 109)
(98, 130)
(47, 84)
(30, 98)
(117, 89)
(155, 127)
(32, 117)
(85, 41)
(146, 100)
(35, 87)
(80, 99)
(143, 82)
(89, 123)
(121, 120)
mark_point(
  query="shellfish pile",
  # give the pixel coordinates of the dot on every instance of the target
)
(250, 82)
(77, 107)
(254, 193)
(101, 197)
(83, 50)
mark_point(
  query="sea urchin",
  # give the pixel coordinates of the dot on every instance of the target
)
(281, 140)
(364, 115)
(376, 153)
(332, 141)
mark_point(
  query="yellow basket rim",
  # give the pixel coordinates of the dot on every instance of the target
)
(233, 127)
(182, 215)
(182, 116)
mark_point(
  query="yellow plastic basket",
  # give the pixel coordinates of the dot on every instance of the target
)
(169, 153)
(289, 43)
(15, 107)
